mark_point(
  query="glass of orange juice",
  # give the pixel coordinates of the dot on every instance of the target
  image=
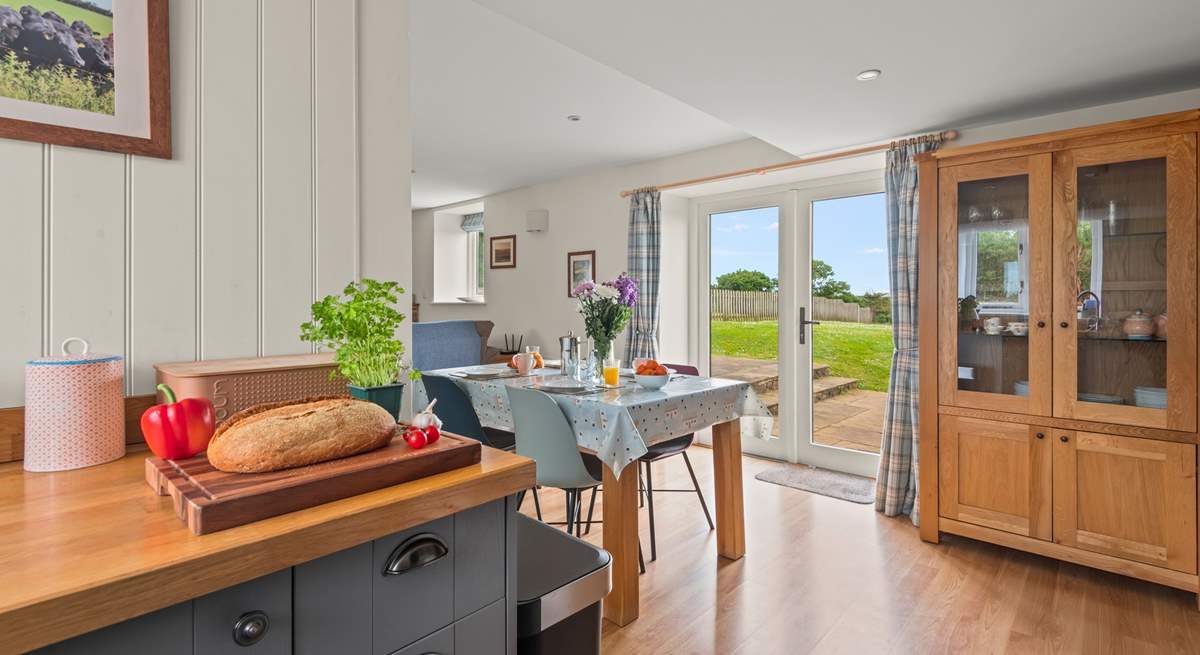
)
(612, 372)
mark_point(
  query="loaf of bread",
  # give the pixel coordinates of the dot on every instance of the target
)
(279, 436)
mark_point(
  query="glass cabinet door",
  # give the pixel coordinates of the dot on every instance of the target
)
(1125, 283)
(995, 231)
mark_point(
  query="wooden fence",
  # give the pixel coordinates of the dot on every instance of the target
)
(764, 306)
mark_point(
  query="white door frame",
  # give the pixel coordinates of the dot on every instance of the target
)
(795, 273)
(781, 448)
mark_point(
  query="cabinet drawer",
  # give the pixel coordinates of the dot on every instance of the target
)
(479, 565)
(260, 611)
(438, 643)
(165, 632)
(482, 633)
(332, 603)
(417, 597)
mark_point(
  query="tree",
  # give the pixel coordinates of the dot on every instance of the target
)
(880, 304)
(743, 280)
(825, 286)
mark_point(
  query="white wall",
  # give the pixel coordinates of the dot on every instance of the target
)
(586, 213)
(290, 177)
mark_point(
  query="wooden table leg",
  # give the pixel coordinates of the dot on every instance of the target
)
(621, 541)
(727, 468)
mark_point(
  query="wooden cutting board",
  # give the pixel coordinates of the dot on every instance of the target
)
(209, 500)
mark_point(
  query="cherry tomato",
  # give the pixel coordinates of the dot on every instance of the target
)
(416, 440)
(432, 434)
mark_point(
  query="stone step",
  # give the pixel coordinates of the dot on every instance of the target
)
(823, 388)
(830, 386)
(820, 370)
(764, 385)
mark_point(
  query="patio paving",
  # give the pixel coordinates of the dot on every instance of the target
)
(851, 419)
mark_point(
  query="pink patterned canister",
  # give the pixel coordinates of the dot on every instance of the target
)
(74, 409)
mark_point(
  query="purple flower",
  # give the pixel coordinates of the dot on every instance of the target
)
(584, 289)
(628, 288)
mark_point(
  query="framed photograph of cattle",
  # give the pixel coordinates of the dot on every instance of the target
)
(86, 73)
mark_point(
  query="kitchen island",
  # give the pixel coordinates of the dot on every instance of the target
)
(86, 549)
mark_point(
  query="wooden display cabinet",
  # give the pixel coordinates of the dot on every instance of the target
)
(1059, 389)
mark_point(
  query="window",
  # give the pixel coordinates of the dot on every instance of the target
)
(459, 256)
(476, 262)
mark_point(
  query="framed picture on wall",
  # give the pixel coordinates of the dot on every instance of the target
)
(581, 266)
(502, 252)
(87, 73)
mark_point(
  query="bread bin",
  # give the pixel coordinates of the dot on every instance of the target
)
(235, 384)
(74, 409)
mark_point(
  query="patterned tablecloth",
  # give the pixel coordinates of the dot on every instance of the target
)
(618, 424)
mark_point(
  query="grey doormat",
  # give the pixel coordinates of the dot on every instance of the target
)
(834, 484)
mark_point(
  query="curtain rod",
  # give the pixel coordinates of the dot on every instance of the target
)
(947, 135)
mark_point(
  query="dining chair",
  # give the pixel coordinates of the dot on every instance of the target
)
(458, 414)
(664, 450)
(545, 436)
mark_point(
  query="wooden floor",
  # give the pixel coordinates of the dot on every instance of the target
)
(828, 576)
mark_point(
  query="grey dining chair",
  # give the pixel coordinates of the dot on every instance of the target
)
(545, 436)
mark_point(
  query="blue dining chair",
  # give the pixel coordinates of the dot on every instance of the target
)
(545, 436)
(458, 414)
(664, 450)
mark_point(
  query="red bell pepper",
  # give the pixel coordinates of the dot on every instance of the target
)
(178, 430)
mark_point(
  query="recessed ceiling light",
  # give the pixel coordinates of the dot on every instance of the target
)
(868, 75)
(574, 118)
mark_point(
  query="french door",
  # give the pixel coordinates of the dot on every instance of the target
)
(766, 334)
(743, 332)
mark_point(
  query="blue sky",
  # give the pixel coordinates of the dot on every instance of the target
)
(849, 234)
(107, 4)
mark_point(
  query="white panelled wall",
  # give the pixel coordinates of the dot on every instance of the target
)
(290, 178)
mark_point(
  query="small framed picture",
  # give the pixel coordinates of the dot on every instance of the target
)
(502, 252)
(69, 77)
(581, 266)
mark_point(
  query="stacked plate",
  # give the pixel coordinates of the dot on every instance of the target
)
(1154, 397)
(1102, 398)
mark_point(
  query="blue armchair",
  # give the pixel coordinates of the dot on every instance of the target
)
(445, 344)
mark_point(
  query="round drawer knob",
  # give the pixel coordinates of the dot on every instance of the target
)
(1063, 439)
(1041, 435)
(1063, 324)
(250, 628)
(1041, 324)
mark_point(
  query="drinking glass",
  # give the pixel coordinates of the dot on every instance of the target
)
(612, 371)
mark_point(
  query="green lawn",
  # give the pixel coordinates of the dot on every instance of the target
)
(70, 13)
(852, 350)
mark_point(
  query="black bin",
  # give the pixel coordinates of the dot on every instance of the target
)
(561, 582)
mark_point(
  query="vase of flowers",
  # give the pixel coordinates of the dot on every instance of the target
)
(606, 308)
(360, 327)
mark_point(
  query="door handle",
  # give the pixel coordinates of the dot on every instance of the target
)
(803, 322)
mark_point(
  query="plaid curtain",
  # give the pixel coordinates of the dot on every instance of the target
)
(645, 232)
(896, 484)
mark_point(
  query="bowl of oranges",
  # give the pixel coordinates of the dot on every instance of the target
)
(652, 375)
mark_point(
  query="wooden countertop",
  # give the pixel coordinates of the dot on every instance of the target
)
(83, 549)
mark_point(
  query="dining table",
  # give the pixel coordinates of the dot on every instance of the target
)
(618, 423)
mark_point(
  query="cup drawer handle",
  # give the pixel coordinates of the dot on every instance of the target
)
(416, 552)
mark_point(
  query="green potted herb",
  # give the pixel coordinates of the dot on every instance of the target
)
(360, 327)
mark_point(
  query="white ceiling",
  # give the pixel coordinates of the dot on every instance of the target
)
(783, 70)
(490, 99)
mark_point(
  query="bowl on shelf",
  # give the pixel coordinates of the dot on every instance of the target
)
(654, 381)
(1021, 388)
